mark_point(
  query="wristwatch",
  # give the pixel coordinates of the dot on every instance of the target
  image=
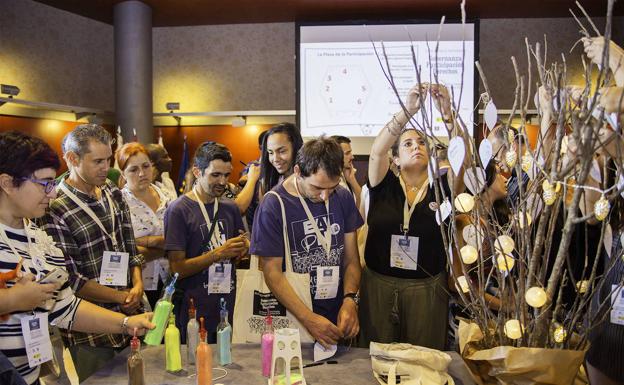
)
(354, 296)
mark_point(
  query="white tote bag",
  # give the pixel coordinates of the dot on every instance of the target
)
(254, 300)
(414, 365)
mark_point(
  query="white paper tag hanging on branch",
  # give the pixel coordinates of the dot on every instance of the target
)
(533, 171)
(608, 240)
(443, 212)
(595, 171)
(474, 179)
(612, 119)
(534, 204)
(490, 115)
(485, 152)
(432, 165)
(456, 153)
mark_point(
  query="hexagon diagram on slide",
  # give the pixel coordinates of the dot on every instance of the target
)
(345, 90)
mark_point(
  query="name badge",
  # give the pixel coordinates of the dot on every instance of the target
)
(150, 275)
(220, 278)
(617, 300)
(327, 279)
(114, 271)
(404, 252)
(37, 339)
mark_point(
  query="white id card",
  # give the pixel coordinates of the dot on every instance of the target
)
(114, 271)
(404, 252)
(37, 339)
(150, 275)
(617, 299)
(220, 278)
(327, 278)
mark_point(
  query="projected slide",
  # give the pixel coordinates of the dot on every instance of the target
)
(343, 90)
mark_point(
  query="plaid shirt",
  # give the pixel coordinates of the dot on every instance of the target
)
(83, 244)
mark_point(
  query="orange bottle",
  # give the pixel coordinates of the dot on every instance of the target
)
(203, 357)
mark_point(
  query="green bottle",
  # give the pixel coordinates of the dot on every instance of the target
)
(161, 315)
(173, 360)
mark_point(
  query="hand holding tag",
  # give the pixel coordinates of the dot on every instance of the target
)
(320, 353)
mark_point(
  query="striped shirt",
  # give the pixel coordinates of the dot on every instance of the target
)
(83, 244)
(62, 313)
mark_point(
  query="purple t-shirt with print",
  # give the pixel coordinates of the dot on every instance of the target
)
(306, 252)
(186, 230)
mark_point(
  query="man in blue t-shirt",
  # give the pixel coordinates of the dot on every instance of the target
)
(203, 235)
(321, 220)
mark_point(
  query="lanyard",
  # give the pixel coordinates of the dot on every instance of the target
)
(324, 241)
(408, 211)
(90, 213)
(216, 235)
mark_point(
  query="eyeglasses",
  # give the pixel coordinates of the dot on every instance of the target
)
(48, 184)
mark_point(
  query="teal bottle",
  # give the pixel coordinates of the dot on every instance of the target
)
(224, 337)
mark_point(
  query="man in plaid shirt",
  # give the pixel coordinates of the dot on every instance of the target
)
(88, 218)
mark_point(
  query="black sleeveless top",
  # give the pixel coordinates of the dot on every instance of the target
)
(385, 218)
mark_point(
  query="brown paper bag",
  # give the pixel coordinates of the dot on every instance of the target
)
(508, 365)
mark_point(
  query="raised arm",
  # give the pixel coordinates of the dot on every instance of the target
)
(378, 160)
(245, 196)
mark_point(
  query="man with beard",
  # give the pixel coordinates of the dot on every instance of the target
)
(90, 222)
(321, 222)
(203, 235)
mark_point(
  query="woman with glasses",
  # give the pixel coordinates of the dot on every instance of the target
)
(33, 291)
(147, 204)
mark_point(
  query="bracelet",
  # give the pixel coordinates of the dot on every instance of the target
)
(124, 325)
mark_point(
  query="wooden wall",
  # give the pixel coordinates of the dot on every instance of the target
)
(242, 141)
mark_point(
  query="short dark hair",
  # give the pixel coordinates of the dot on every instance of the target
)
(320, 153)
(209, 151)
(341, 139)
(21, 155)
(155, 152)
(269, 177)
(77, 140)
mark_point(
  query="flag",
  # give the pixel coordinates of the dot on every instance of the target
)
(184, 165)
(119, 144)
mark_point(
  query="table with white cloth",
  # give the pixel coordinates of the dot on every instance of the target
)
(352, 367)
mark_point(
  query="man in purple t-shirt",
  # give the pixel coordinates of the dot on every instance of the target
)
(322, 221)
(203, 234)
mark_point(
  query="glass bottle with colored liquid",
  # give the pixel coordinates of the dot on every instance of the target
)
(136, 369)
(203, 357)
(224, 337)
(192, 333)
(267, 346)
(173, 358)
(161, 315)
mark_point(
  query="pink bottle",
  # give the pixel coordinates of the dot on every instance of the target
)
(267, 346)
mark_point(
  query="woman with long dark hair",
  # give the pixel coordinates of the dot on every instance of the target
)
(280, 145)
(279, 150)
